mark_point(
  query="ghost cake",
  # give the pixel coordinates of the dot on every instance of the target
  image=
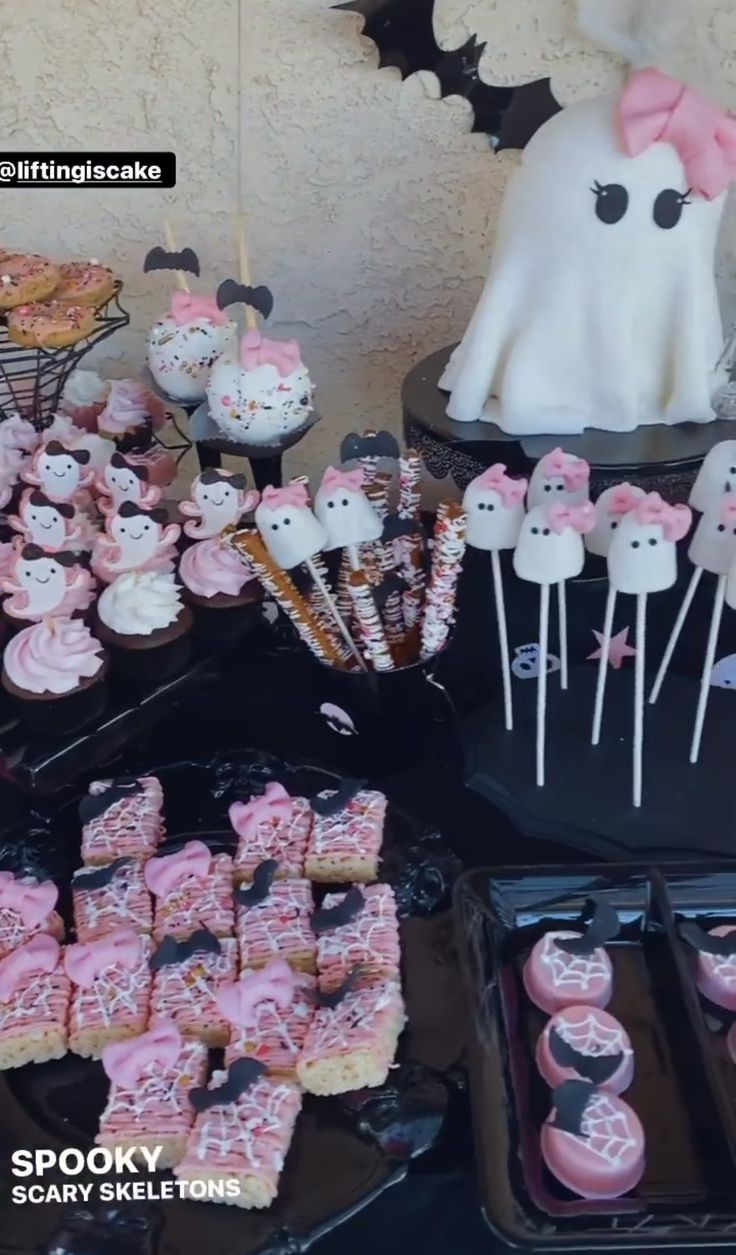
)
(111, 987)
(494, 504)
(610, 508)
(121, 818)
(185, 343)
(593, 1142)
(187, 976)
(262, 394)
(272, 825)
(34, 1003)
(586, 1044)
(27, 907)
(111, 896)
(550, 547)
(358, 928)
(642, 557)
(269, 1012)
(192, 888)
(568, 968)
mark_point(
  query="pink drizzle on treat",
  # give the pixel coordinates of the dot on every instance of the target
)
(371, 940)
(275, 1032)
(52, 657)
(118, 994)
(132, 826)
(126, 1062)
(186, 992)
(278, 926)
(124, 901)
(365, 1020)
(354, 833)
(39, 955)
(202, 897)
(34, 990)
(158, 1104)
(210, 567)
(238, 1000)
(272, 826)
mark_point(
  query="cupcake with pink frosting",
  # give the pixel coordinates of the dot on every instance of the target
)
(84, 397)
(54, 671)
(184, 344)
(220, 586)
(131, 414)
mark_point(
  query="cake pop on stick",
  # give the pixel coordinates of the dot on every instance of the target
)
(447, 560)
(559, 478)
(714, 549)
(346, 514)
(293, 536)
(494, 504)
(642, 559)
(549, 551)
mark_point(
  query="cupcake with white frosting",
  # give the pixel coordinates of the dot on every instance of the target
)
(84, 398)
(142, 619)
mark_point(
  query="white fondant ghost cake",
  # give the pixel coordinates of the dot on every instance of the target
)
(344, 510)
(600, 309)
(643, 554)
(559, 477)
(289, 529)
(494, 504)
(262, 395)
(716, 477)
(550, 547)
(610, 508)
(184, 344)
(217, 499)
(713, 546)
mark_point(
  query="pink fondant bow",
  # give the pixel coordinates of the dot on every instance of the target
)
(162, 875)
(40, 954)
(185, 306)
(511, 491)
(32, 900)
(292, 494)
(655, 108)
(623, 499)
(275, 803)
(673, 519)
(238, 1000)
(84, 962)
(126, 1061)
(256, 350)
(579, 517)
(333, 478)
(574, 471)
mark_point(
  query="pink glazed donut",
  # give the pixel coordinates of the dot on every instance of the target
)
(554, 979)
(715, 973)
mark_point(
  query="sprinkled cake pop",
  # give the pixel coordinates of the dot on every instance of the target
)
(261, 394)
(184, 344)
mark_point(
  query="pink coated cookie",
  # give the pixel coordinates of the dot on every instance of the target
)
(366, 936)
(193, 889)
(554, 979)
(109, 897)
(121, 818)
(278, 926)
(586, 1044)
(271, 826)
(593, 1142)
(715, 974)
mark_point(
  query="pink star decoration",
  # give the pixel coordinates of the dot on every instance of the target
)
(617, 650)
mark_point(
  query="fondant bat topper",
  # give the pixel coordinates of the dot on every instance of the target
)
(170, 952)
(570, 1101)
(708, 943)
(260, 298)
(239, 1077)
(327, 918)
(96, 804)
(594, 1068)
(42, 583)
(331, 803)
(87, 879)
(258, 891)
(370, 445)
(336, 996)
(159, 258)
(602, 924)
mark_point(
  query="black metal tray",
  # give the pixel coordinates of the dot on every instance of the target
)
(681, 1091)
(346, 1150)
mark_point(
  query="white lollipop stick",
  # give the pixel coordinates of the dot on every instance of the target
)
(335, 613)
(600, 688)
(710, 655)
(542, 679)
(639, 661)
(503, 638)
(353, 557)
(675, 634)
(562, 620)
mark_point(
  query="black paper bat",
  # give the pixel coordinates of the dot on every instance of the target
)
(570, 1101)
(240, 1076)
(170, 951)
(705, 942)
(594, 1068)
(403, 32)
(371, 444)
(327, 918)
(230, 292)
(94, 805)
(333, 999)
(263, 877)
(332, 803)
(394, 527)
(602, 924)
(85, 881)
(158, 259)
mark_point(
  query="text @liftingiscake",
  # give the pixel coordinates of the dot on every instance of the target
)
(135, 1162)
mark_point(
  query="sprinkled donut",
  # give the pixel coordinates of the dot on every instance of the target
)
(50, 324)
(25, 277)
(85, 283)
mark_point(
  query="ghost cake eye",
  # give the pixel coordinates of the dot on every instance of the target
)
(611, 202)
(668, 207)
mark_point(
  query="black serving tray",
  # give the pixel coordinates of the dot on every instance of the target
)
(682, 1090)
(346, 1150)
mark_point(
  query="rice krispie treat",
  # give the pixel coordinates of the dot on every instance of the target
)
(121, 818)
(110, 897)
(111, 990)
(34, 1003)
(269, 1012)
(275, 924)
(193, 889)
(357, 928)
(352, 1045)
(272, 826)
(346, 838)
(187, 976)
(27, 908)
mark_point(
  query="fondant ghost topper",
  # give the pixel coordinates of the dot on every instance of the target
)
(610, 508)
(135, 540)
(46, 584)
(62, 474)
(609, 225)
(121, 481)
(344, 510)
(50, 524)
(494, 504)
(291, 532)
(217, 499)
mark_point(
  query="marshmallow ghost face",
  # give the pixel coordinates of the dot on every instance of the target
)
(559, 478)
(600, 309)
(124, 481)
(137, 533)
(344, 511)
(290, 531)
(716, 477)
(713, 546)
(494, 504)
(61, 471)
(46, 523)
(42, 577)
(641, 559)
(610, 508)
(545, 553)
(219, 498)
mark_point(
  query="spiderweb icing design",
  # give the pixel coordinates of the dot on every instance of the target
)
(569, 971)
(252, 1133)
(279, 925)
(13, 932)
(722, 968)
(118, 995)
(133, 825)
(285, 841)
(605, 1125)
(199, 903)
(185, 992)
(371, 938)
(360, 1021)
(40, 1000)
(356, 830)
(277, 1036)
(159, 1102)
(590, 1037)
(125, 900)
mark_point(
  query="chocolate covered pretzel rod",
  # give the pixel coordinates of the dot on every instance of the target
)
(410, 492)
(447, 557)
(369, 624)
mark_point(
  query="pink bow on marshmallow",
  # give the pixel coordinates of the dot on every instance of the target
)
(84, 962)
(511, 491)
(186, 306)
(574, 471)
(125, 1062)
(32, 900)
(238, 1000)
(673, 519)
(256, 350)
(350, 480)
(655, 108)
(292, 494)
(623, 499)
(275, 804)
(162, 875)
(40, 954)
(579, 517)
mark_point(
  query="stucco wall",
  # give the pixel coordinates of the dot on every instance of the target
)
(371, 206)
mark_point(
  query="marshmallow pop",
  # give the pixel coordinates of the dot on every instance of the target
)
(293, 535)
(494, 504)
(559, 478)
(549, 551)
(345, 512)
(642, 559)
(217, 499)
(716, 476)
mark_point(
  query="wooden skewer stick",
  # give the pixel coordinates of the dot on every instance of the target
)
(251, 320)
(181, 278)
